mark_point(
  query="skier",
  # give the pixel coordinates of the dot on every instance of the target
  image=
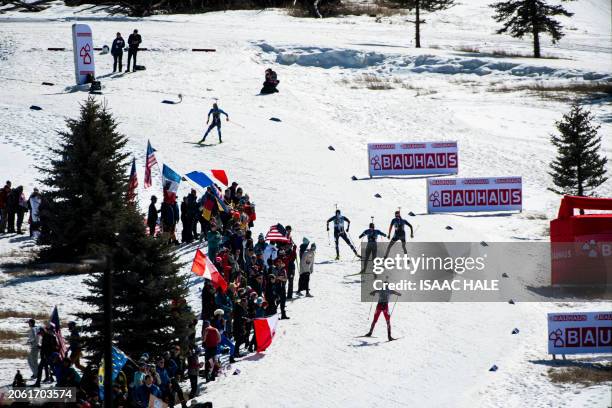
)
(372, 233)
(339, 232)
(383, 307)
(216, 113)
(400, 234)
(117, 53)
(134, 41)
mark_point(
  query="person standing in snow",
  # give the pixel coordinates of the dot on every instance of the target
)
(74, 340)
(34, 343)
(34, 207)
(339, 231)
(4, 193)
(372, 233)
(117, 53)
(216, 113)
(152, 216)
(21, 208)
(306, 268)
(383, 307)
(134, 41)
(400, 234)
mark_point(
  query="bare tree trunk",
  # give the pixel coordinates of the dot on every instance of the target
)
(417, 31)
(535, 30)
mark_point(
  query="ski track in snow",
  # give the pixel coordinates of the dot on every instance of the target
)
(446, 349)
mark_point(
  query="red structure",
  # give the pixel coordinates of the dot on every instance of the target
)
(581, 245)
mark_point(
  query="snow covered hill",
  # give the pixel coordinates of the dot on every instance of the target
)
(325, 68)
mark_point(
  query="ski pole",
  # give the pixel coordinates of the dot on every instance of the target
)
(370, 312)
(236, 123)
(394, 303)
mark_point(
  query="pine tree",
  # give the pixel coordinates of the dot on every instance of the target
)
(578, 169)
(86, 185)
(429, 6)
(150, 312)
(533, 17)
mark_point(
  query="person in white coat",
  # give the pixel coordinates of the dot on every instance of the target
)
(34, 343)
(306, 268)
(34, 207)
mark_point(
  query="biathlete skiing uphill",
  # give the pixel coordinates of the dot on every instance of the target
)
(339, 232)
(372, 233)
(383, 307)
(216, 113)
(400, 234)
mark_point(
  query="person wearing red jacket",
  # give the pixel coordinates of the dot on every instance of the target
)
(289, 261)
(211, 338)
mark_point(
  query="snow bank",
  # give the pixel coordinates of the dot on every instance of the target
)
(350, 58)
(323, 57)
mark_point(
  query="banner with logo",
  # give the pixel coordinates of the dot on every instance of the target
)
(580, 332)
(386, 159)
(82, 44)
(474, 194)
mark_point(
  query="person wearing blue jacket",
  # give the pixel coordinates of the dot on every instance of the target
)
(143, 391)
(216, 113)
(117, 52)
(372, 233)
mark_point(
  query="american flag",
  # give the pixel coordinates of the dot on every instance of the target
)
(133, 183)
(54, 318)
(151, 160)
(276, 235)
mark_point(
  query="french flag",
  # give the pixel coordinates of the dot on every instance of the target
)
(265, 328)
(171, 180)
(202, 266)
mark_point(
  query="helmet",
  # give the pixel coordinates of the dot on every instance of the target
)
(219, 312)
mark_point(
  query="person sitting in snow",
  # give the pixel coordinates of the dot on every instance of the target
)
(271, 82)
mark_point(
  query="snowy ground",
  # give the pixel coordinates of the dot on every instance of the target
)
(446, 349)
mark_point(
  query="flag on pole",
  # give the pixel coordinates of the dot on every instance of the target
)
(202, 266)
(221, 176)
(133, 183)
(54, 318)
(150, 161)
(119, 360)
(209, 204)
(200, 178)
(265, 328)
(222, 205)
(275, 234)
(171, 181)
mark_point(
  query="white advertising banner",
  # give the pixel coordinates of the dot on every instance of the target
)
(474, 194)
(386, 159)
(82, 44)
(580, 332)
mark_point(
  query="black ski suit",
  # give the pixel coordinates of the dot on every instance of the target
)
(371, 247)
(339, 232)
(400, 233)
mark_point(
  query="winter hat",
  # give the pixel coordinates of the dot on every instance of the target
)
(313, 246)
(259, 300)
(261, 236)
(219, 312)
(305, 241)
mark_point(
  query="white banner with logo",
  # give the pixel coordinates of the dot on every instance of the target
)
(474, 194)
(580, 332)
(82, 44)
(386, 159)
